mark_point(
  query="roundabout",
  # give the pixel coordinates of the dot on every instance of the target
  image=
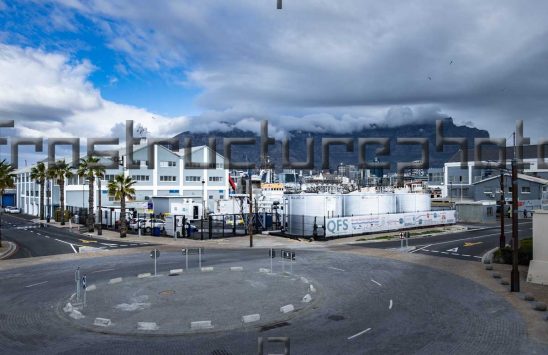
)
(357, 305)
(194, 301)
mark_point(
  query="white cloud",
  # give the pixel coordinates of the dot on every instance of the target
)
(50, 96)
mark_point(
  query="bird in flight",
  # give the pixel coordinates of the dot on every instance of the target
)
(451, 62)
(429, 78)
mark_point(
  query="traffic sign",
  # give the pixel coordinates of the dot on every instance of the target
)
(155, 253)
(287, 254)
(84, 282)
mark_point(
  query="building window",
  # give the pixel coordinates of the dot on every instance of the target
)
(219, 165)
(211, 197)
(140, 177)
(109, 177)
(215, 179)
(525, 189)
(166, 164)
(168, 178)
(489, 211)
(192, 179)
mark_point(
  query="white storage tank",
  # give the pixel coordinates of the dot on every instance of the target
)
(314, 205)
(304, 210)
(412, 202)
(369, 204)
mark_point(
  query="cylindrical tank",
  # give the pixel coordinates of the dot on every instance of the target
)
(304, 210)
(369, 204)
(412, 202)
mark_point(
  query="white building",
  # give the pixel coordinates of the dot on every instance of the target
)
(459, 181)
(168, 178)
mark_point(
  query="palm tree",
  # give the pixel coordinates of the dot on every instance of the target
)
(90, 169)
(7, 181)
(121, 188)
(60, 172)
(38, 173)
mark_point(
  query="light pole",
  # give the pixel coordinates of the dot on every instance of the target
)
(502, 238)
(203, 199)
(100, 226)
(250, 219)
(514, 287)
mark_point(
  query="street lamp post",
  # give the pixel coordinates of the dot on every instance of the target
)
(514, 287)
(502, 238)
(250, 219)
(100, 226)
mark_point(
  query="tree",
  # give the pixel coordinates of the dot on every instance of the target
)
(90, 170)
(60, 172)
(121, 188)
(7, 181)
(39, 173)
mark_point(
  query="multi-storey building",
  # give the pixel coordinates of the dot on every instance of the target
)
(169, 177)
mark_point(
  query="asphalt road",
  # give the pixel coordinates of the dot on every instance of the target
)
(33, 240)
(468, 245)
(364, 306)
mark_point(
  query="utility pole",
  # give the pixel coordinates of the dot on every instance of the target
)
(515, 240)
(502, 239)
(250, 218)
(100, 226)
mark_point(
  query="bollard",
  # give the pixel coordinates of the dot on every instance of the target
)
(77, 280)
(271, 261)
(200, 257)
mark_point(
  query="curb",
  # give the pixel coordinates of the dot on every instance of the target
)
(487, 258)
(12, 248)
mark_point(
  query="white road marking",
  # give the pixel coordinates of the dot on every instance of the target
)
(477, 257)
(36, 284)
(358, 334)
(434, 251)
(444, 252)
(421, 248)
(466, 255)
(391, 303)
(335, 268)
(104, 270)
(453, 250)
(376, 282)
(455, 254)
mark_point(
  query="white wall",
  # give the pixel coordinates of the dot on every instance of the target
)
(538, 268)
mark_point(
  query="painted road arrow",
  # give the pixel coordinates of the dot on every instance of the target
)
(454, 250)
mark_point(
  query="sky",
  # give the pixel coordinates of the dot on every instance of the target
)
(80, 68)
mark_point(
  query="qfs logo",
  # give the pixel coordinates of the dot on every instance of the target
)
(338, 226)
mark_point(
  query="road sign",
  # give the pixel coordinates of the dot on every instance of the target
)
(155, 253)
(287, 254)
(84, 282)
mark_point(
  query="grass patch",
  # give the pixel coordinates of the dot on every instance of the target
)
(432, 231)
(525, 253)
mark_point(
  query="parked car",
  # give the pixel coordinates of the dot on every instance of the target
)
(11, 209)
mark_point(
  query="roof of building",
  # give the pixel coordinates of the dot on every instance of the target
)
(525, 177)
(491, 152)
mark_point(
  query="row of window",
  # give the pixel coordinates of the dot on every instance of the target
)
(165, 178)
(215, 179)
(141, 177)
(524, 190)
(166, 164)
